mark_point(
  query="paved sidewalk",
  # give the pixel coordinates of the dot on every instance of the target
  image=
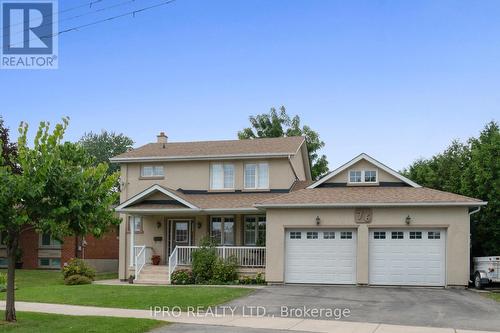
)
(284, 324)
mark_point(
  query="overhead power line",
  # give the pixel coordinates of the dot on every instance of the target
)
(88, 4)
(78, 16)
(76, 28)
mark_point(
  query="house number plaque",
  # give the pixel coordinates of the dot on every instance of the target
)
(363, 215)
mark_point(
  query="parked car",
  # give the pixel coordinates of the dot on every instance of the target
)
(486, 270)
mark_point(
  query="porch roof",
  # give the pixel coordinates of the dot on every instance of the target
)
(196, 202)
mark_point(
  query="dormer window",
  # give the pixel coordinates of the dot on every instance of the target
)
(354, 176)
(152, 171)
(362, 176)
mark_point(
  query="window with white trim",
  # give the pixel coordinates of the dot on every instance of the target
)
(346, 235)
(255, 230)
(295, 235)
(328, 234)
(434, 235)
(362, 176)
(354, 176)
(312, 235)
(222, 229)
(256, 176)
(379, 235)
(221, 176)
(49, 262)
(137, 221)
(46, 240)
(370, 176)
(152, 171)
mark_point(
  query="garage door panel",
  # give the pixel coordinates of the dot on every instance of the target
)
(416, 259)
(326, 259)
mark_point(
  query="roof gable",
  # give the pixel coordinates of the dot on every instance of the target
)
(152, 192)
(369, 159)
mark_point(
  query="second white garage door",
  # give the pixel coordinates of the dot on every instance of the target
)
(410, 257)
(320, 256)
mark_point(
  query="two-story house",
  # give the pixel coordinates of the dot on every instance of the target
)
(363, 223)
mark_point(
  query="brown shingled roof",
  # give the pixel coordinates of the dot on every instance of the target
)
(338, 196)
(268, 146)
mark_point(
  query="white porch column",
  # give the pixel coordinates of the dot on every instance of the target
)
(132, 239)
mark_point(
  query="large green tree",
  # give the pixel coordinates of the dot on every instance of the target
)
(105, 145)
(58, 191)
(278, 124)
(471, 169)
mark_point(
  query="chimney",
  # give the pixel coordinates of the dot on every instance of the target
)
(162, 138)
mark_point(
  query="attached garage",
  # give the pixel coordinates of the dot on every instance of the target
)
(407, 257)
(325, 256)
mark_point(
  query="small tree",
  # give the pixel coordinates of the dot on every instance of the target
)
(57, 190)
(275, 125)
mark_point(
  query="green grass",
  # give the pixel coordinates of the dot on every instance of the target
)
(495, 296)
(41, 322)
(48, 287)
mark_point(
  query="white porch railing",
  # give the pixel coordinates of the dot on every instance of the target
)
(141, 258)
(246, 256)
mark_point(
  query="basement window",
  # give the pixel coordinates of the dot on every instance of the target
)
(49, 262)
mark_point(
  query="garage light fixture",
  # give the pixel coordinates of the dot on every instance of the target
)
(408, 220)
(318, 220)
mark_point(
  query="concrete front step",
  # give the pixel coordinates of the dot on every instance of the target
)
(151, 274)
(155, 281)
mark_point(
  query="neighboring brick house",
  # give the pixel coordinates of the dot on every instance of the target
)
(44, 252)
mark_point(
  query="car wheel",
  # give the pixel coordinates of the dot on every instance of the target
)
(477, 281)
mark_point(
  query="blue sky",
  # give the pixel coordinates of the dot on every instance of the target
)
(395, 79)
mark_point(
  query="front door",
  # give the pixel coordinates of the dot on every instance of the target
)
(180, 233)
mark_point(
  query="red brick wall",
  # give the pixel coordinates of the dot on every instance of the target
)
(105, 247)
(29, 245)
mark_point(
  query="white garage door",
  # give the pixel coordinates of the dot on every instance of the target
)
(410, 257)
(320, 256)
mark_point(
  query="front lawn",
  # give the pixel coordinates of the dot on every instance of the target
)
(41, 322)
(495, 296)
(48, 287)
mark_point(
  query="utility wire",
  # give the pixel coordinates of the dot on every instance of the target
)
(77, 16)
(88, 4)
(133, 13)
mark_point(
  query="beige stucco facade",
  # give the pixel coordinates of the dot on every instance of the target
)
(454, 219)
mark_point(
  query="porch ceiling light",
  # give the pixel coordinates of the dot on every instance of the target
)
(318, 220)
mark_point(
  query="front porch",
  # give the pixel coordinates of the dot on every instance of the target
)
(174, 239)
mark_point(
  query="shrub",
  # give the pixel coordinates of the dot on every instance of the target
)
(77, 279)
(257, 279)
(224, 270)
(203, 262)
(182, 276)
(78, 267)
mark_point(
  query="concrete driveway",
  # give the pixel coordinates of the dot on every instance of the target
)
(453, 308)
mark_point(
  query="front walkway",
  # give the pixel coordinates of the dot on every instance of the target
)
(286, 324)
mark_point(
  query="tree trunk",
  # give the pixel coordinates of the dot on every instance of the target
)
(10, 310)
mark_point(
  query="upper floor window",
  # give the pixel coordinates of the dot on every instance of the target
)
(222, 176)
(46, 240)
(365, 176)
(152, 171)
(256, 176)
(354, 176)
